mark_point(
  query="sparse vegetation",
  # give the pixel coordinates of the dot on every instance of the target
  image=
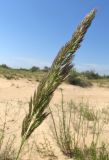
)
(74, 125)
(10, 73)
(7, 151)
(45, 150)
(92, 153)
(82, 79)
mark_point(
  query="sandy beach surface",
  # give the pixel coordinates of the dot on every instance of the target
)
(14, 98)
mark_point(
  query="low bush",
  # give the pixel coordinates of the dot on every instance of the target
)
(79, 80)
(34, 69)
(4, 66)
(91, 75)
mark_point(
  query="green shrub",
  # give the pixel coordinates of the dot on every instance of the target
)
(91, 75)
(75, 79)
(46, 69)
(4, 66)
(34, 69)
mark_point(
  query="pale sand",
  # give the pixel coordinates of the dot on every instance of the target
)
(15, 95)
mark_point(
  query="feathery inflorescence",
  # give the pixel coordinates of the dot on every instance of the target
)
(57, 74)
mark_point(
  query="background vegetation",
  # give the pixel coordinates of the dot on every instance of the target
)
(82, 79)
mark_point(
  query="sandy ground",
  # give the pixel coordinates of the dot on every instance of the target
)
(14, 98)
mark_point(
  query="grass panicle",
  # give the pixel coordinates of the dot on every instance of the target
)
(58, 72)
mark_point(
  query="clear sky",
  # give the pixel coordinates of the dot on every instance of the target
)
(33, 31)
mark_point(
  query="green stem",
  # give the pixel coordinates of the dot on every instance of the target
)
(19, 151)
(63, 116)
(56, 134)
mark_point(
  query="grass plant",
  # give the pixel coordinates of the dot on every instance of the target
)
(57, 74)
(72, 126)
(7, 151)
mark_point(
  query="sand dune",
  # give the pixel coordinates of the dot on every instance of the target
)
(15, 95)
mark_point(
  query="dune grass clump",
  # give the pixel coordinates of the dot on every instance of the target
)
(7, 150)
(8, 153)
(77, 130)
(57, 74)
(92, 153)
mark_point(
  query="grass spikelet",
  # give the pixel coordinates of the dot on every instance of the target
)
(57, 74)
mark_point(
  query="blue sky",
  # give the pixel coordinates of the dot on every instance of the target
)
(33, 31)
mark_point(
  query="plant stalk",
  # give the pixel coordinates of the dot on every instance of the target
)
(20, 148)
